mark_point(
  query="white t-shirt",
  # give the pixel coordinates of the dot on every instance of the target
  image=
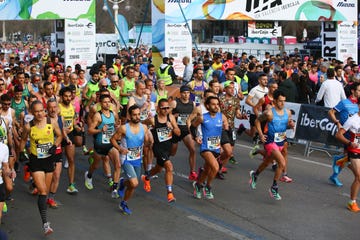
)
(4, 157)
(257, 93)
(332, 91)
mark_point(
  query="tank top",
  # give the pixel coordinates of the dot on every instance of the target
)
(8, 117)
(184, 110)
(277, 128)
(134, 143)
(158, 96)
(197, 92)
(41, 139)
(68, 113)
(3, 131)
(93, 87)
(140, 103)
(211, 131)
(26, 93)
(116, 92)
(266, 102)
(104, 137)
(129, 87)
(18, 107)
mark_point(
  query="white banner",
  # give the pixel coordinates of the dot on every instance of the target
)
(264, 29)
(106, 43)
(347, 41)
(329, 42)
(80, 43)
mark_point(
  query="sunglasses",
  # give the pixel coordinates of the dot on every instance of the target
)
(2, 84)
(114, 81)
(164, 108)
(104, 86)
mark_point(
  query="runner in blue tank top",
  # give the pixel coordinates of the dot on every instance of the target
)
(133, 136)
(212, 124)
(278, 119)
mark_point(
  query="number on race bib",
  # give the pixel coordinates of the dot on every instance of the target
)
(213, 143)
(42, 150)
(134, 154)
(279, 137)
(164, 134)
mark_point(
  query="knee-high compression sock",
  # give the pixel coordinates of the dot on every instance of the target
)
(42, 207)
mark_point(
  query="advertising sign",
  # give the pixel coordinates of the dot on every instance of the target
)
(106, 43)
(80, 42)
(329, 42)
(346, 40)
(264, 29)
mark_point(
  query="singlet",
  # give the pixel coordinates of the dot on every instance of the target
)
(266, 102)
(129, 87)
(116, 92)
(346, 108)
(352, 125)
(8, 117)
(277, 128)
(134, 143)
(161, 132)
(18, 107)
(197, 92)
(3, 131)
(103, 138)
(158, 96)
(68, 113)
(184, 110)
(211, 128)
(26, 93)
(92, 88)
(41, 139)
(140, 103)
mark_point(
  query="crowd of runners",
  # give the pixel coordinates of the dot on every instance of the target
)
(134, 115)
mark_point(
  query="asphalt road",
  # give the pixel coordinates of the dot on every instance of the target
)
(311, 208)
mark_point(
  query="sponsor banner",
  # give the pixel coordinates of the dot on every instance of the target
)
(80, 43)
(41, 9)
(178, 44)
(304, 10)
(295, 110)
(244, 108)
(58, 40)
(329, 41)
(264, 29)
(106, 43)
(314, 125)
(347, 40)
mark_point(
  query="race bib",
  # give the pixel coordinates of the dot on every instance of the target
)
(279, 137)
(213, 143)
(181, 120)
(42, 150)
(164, 134)
(197, 99)
(134, 154)
(143, 115)
(106, 136)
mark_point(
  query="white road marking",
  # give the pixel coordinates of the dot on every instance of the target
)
(218, 228)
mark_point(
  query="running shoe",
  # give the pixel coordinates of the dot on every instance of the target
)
(256, 139)
(27, 174)
(147, 186)
(66, 164)
(115, 194)
(274, 166)
(253, 151)
(336, 167)
(88, 181)
(241, 129)
(220, 176)
(208, 193)
(232, 160)
(352, 206)
(5, 208)
(52, 203)
(47, 229)
(286, 179)
(197, 191)
(333, 179)
(124, 208)
(170, 197)
(192, 176)
(253, 178)
(274, 193)
(121, 190)
(110, 183)
(72, 189)
(224, 169)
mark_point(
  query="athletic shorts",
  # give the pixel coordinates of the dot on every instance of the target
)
(215, 154)
(183, 134)
(353, 155)
(252, 120)
(123, 111)
(70, 136)
(43, 165)
(227, 137)
(2, 192)
(77, 133)
(270, 147)
(58, 157)
(162, 154)
(102, 149)
(131, 171)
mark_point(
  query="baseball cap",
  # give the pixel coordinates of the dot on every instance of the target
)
(228, 83)
(184, 88)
